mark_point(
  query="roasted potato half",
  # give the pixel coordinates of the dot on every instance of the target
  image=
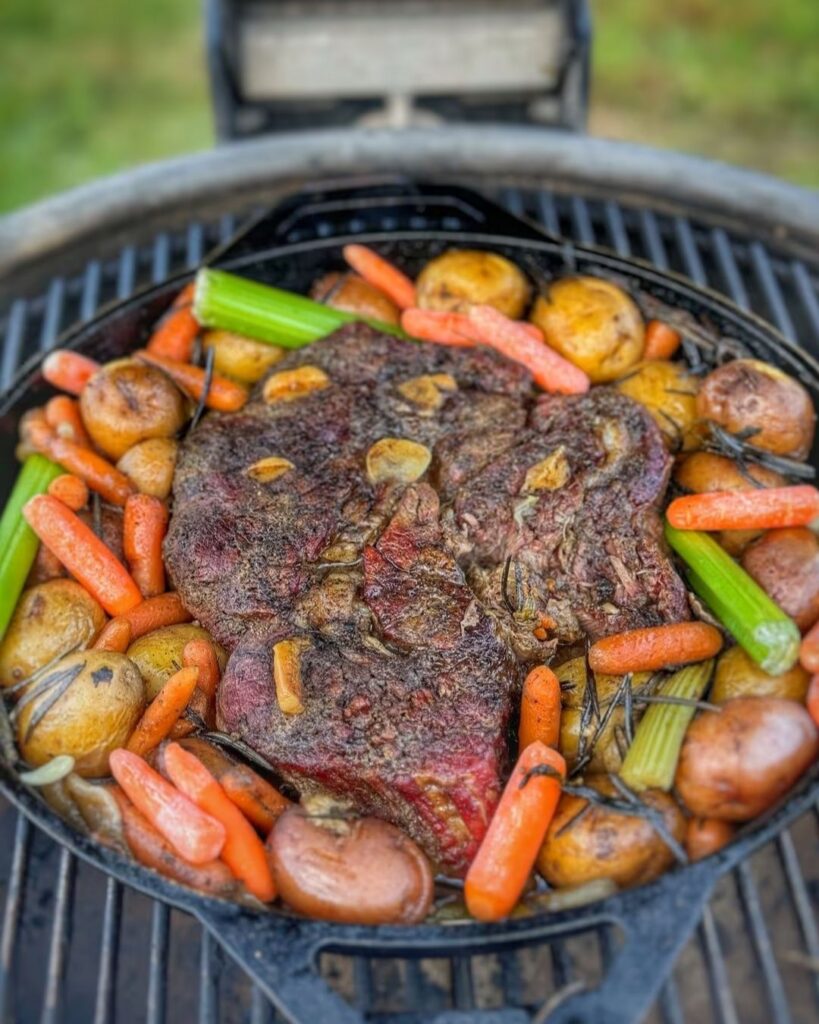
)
(607, 844)
(239, 357)
(594, 324)
(785, 563)
(150, 465)
(50, 619)
(462, 278)
(100, 697)
(158, 655)
(669, 392)
(352, 294)
(737, 675)
(747, 394)
(127, 402)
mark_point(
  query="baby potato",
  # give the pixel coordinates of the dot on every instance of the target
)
(102, 699)
(594, 324)
(737, 762)
(737, 675)
(747, 393)
(462, 278)
(158, 655)
(785, 563)
(606, 844)
(50, 619)
(360, 872)
(150, 465)
(239, 357)
(127, 402)
(703, 472)
(669, 392)
(352, 294)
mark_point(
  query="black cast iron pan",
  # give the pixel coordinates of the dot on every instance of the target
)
(290, 247)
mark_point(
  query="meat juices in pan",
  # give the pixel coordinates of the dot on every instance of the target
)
(417, 602)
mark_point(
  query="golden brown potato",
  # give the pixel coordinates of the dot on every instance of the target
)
(748, 393)
(127, 402)
(737, 762)
(594, 324)
(50, 619)
(352, 294)
(158, 655)
(239, 357)
(669, 392)
(703, 472)
(462, 278)
(736, 675)
(150, 465)
(103, 697)
(360, 872)
(607, 844)
(785, 563)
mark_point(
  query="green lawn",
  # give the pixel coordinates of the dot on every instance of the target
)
(92, 86)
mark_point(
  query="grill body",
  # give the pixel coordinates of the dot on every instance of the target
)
(130, 937)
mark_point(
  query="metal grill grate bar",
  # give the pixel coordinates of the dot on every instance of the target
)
(13, 342)
(764, 272)
(762, 945)
(158, 965)
(728, 268)
(802, 903)
(12, 913)
(208, 980)
(60, 936)
(717, 970)
(109, 953)
(653, 239)
(692, 260)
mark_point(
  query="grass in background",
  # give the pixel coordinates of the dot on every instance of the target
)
(92, 86)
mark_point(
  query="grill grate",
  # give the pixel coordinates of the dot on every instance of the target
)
(76, 946)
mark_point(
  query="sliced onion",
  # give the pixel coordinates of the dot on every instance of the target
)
(52, 771)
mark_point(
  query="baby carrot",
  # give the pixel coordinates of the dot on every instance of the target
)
(438, 326)
(704, 836)
(150, 849)
(381, 274)
(143, 529)
(655, 647)
(223, 394)
(516, 341)
(163, 712)
(82, 553)
(176, 333)
(758, 509)
(115, 636)
(809, 650)
(70, 490)
(661, 341)
(812, 699)
(243, 851)
(507, 854)
(540, 709)
(197, 836)
(69, 371)
(97, 473)
(200, 653)
(63, 416)
(150, 614)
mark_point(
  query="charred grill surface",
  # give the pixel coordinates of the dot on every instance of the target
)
(417, 603)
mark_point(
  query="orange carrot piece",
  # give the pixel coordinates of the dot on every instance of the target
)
(516, 341)
(115, 636)
(150, 614)
(507, 854)
(163, 712)
(540, 709)
(70, 490)
(223, 394)
(661, 341)
(758, 509)
(176, 332)
(243, 851)
(200, 708)
(63, 416)
(812, 699)
(439, 327)
(151, 850)
(201, 654)
(98, 474)
(809, 650)
(655, 647)
(704, 836)
(197, 836)
(143, 529)
(84, 555)
(381, 274)
(69, 371)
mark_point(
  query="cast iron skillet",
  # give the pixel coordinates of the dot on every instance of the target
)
(300, 240)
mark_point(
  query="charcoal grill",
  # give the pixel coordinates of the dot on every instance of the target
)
(76, 946)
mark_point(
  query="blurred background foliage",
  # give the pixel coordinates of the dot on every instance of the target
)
(93, 86)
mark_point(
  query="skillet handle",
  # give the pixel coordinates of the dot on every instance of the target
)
(375, 206)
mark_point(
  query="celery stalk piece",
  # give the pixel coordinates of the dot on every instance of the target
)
(758, 625)
(18, 542)
(269, 314)
(651, 760)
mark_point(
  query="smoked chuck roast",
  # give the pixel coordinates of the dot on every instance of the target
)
(415, 604)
